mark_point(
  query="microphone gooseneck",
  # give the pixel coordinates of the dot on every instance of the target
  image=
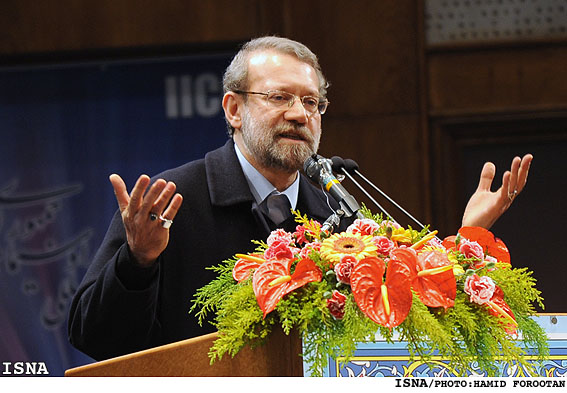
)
(319, 169)
(349, 165)
(340, 165)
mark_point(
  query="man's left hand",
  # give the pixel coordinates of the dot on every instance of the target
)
(485, 206)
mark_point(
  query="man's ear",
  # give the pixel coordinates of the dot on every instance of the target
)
(232, 109)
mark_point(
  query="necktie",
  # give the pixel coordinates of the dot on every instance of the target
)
(277, 207)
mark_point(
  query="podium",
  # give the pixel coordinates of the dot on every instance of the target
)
(278, 356)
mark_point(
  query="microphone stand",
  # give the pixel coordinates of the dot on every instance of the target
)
(367, 194)
(319, 169)
(339, 163)
(333, 221)
(388, 198)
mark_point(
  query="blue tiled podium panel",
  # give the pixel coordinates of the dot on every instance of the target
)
(381, 359)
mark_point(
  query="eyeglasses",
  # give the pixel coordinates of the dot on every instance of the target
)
(280, 99)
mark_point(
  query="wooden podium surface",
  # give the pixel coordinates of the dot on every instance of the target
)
(279, 356)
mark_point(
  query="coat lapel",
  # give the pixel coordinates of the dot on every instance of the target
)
(226, 181)
(228, 185)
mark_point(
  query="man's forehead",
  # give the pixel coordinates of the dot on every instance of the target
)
(264, 63)
(265, 58)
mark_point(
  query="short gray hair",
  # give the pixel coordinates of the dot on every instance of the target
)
(236, 74)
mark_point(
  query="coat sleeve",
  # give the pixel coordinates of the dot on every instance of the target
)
(114, 310)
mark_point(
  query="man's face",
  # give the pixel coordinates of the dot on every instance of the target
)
(280, 138)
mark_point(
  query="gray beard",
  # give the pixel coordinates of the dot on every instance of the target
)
(262, 142)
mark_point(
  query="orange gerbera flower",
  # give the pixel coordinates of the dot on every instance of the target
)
(338, 245)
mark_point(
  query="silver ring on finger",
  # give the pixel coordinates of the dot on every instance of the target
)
(153, 216)
(166, 222)
(512, 195)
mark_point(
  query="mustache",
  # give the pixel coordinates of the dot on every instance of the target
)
(297, 130)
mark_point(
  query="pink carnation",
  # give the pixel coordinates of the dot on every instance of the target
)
(490, 258)
(391, 224)
(305, 251)
(435, 243)
(336, 305)
(471, 249)
(384, 244)
(363, 226)
(279, 235)
(480, 289)
(344, 268)
(299, 234)
(279, 250)
(479, 264)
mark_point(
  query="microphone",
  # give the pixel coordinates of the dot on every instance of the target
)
(348, 165)
(319, 169)
(345, 166)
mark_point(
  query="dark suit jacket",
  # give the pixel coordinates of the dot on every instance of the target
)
(121, 308)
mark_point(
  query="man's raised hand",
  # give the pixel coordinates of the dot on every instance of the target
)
(485, 206)
(145, 213)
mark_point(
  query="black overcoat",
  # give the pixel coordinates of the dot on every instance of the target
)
(121, 308)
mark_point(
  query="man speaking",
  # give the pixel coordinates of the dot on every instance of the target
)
(137, 291)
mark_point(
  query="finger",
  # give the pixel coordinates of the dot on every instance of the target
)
(151, 197)
(486, 177)
(173, 207)
(164, 197)
(120, 191)
(137, 194)
(524, 170)
(505, 189)
(513, 175)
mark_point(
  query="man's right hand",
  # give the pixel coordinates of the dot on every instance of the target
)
(147, 237)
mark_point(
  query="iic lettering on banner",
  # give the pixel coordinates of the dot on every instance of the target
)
(188, 96)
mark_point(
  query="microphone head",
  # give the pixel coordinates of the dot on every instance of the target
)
(338, 163)
(312, 168)
(351, 165)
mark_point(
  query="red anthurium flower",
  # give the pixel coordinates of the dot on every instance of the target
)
(408, 256)
(272, 281)
(245, 265)
(435, 282)
(498, 307)
(490, 243)
(449, 242)
(387, 303)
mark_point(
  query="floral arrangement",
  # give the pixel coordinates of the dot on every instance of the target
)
(459, 298)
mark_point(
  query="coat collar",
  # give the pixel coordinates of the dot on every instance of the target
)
(228, 185)
(226, 181)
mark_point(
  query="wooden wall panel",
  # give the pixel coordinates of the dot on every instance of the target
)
(497, 80)
(388, 152)
(368, 50)
(65, 25)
